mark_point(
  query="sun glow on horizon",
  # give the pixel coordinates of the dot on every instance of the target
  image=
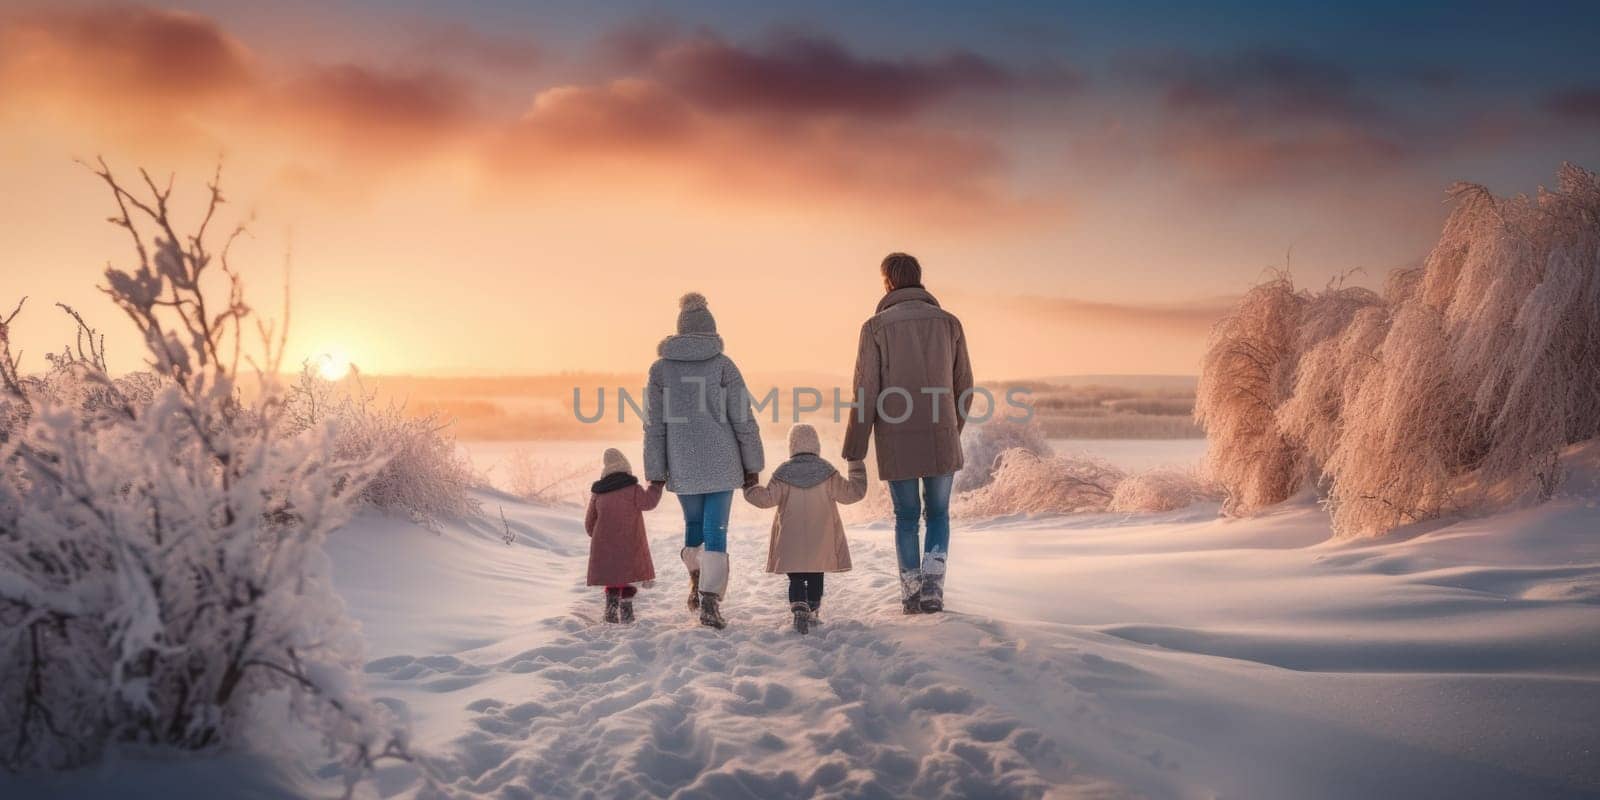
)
(333, 365)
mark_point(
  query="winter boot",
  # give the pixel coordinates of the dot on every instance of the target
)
(802, 616)
(613, 605)
(911, 591)
(710, 613)
(815, 609)
(932, 598)
(691, 560)
(627, 611)
(713, 587)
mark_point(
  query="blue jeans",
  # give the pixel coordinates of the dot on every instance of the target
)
(908, 508)
(705, 520)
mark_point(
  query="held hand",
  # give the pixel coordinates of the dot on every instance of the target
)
(751, 479)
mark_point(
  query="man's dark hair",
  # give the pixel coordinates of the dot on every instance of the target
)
(901, 270)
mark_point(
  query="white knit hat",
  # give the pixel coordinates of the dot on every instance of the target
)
(615, 462)
(803, 439)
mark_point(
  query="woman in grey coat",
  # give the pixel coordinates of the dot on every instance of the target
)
(702, 439)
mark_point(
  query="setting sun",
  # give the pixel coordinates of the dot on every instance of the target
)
(333, 365)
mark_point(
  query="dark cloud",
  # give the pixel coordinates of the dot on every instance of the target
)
(1263, 115)
(808, 74)
(1578, 104)
(1268, 82)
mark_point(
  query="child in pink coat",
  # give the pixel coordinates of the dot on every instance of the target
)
(619, 554)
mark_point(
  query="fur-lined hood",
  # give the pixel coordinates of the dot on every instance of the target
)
(804, 471)
(690, 347)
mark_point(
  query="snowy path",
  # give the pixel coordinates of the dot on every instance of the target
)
(1174, 656)
(870, 704)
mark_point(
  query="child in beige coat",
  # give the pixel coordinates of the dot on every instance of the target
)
(807, 535)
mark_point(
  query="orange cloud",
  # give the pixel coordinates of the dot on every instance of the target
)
(649, 130)
(798, 116)
(156, 55)
(368, 107)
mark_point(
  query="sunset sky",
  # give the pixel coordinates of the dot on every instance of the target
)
(514, 187)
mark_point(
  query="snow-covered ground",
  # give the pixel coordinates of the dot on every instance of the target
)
(1178, 655)
(1175, 655)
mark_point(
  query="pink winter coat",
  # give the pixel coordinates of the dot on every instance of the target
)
(619, 554)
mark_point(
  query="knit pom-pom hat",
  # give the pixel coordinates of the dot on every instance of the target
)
(694, 316)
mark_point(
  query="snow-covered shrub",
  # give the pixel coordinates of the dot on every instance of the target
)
(161, 561)
(1458, 390)
(1161, 489)
(1490, 368)
(1339, 330)
(982, 444)
(423, 475)
(1026, 482)
(1247, 372)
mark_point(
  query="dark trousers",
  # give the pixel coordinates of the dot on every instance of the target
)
(806, 587)
(624, 592)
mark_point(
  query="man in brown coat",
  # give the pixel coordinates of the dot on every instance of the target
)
(913, 382)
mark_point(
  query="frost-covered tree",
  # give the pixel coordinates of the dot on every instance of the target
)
(1339, 329)
(1247, 372)
(1457, 390)
(161, 561)
(1490, 367)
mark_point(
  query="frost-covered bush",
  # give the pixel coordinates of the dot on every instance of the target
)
(423, 475)
(1457, 390)
(1162, 489)
(1340, 328)
(161, 561)
(1025, 482)
(1247, 372)
(982, 444)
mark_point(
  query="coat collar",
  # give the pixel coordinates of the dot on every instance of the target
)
(804, 470)
(690, 347)
(907, 294)
(613, 482)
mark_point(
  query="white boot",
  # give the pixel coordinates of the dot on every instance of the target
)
(713, 587)
(932, 599)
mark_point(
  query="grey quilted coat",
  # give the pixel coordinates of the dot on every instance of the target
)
(699, 434)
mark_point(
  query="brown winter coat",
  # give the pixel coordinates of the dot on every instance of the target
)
(807, 534)
(618, 551)
(914, 345)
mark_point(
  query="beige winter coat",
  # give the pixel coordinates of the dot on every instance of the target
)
(913, 345)
(807, 534)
